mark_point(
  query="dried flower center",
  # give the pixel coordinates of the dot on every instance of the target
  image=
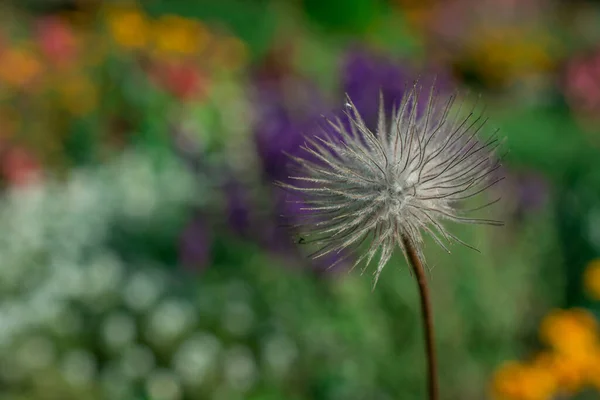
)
(395, 196)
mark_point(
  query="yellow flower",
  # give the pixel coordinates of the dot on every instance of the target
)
(502, 55)
(573, 332)
(518, 381)
(177, 35)
(128, 27)
(19, 66)
(591, 279)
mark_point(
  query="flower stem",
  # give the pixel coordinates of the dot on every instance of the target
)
(427, 314)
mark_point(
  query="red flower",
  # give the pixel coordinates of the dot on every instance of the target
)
(19, 167)
(56, 40)
(184, 81)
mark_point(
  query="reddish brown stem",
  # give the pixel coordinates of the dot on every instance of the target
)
(427, 314)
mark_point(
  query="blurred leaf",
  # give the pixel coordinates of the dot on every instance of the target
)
(393, 33)
(577, 212)
(81, 144)
(350, 16)
(546, 139)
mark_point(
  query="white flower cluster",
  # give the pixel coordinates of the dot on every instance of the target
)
(61, 288)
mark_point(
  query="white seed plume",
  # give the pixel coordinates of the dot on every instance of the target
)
(416, 170)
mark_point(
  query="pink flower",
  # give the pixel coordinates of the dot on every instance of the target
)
(582, 83)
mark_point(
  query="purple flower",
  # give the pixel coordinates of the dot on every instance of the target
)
(366, 73)
(238, 207)
(276, 133)
(287, 110)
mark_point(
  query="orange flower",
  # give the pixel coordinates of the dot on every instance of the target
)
(594, 370)
(591, 279)
(517, 381)
(128, 27)
(573, 332)
(571, 372)
(506, 383)
(19, 67)
(539, 384)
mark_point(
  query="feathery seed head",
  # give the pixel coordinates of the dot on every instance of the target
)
(415, 170)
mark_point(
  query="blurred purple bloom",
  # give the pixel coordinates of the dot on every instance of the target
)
(366, 73)
(195, 245)
(287, 110)
(238, 207)
(276, 133)
(278, 235)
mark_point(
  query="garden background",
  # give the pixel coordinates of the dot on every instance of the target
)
(142, 254)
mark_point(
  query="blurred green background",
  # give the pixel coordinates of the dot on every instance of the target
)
(142, 254)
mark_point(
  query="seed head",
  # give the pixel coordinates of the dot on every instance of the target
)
(417, 168)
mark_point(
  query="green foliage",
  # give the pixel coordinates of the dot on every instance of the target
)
(543, 138)
(350, 16)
